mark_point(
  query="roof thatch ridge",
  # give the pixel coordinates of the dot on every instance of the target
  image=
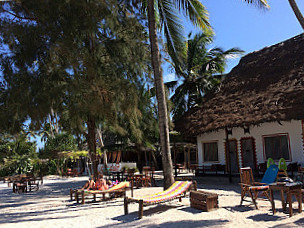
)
(266, 86)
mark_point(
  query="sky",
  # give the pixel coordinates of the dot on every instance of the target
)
(238, 24)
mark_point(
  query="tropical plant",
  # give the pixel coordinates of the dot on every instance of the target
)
(199, 71)
(17, 156)
(61, 142)
(54, 149)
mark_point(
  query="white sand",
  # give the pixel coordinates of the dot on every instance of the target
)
(51, 207)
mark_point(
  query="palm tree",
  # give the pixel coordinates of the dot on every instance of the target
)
(200, 70)
(165, 11)
(297, 12)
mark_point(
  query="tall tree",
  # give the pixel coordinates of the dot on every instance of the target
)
(199, 71)
(163, 14)
(297, 12)
(78, 58)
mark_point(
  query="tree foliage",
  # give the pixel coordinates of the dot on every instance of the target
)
(199, 71)
(79, 59)
(61, 142)
(17, 155)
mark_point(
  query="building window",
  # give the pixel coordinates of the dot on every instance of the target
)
(277, 147)
(210, 151)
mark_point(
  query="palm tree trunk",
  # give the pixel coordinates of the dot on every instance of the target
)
(161, 98)
(297, 12)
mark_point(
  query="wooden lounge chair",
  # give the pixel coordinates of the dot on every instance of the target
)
(249, 186)
(116, 190)
(177, 190)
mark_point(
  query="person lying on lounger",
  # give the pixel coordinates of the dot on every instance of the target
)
(99, 184)
(89, 184)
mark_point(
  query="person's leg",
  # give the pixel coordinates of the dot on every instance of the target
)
(86, 185)
(92, 185)
(104, 184)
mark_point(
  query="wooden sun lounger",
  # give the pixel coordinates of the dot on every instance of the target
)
(176, 191)
(117, 190)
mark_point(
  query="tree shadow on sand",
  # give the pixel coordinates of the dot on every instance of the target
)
(36, 210)
(265, 218)
(132, 218)
(14, 220)
(148, 212)
(239, 208)
(216, 183)
(192, 224)
(51, 190)
(298, 223)
(40, 213)
(176, 224)
(191, 210)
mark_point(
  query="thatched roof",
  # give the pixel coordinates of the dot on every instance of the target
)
(266, 86)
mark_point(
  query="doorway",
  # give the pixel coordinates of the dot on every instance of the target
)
(233, 156)
(248, 153)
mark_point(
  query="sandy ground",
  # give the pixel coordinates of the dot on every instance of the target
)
(51, 207)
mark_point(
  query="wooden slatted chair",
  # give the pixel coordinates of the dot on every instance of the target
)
(33, 184)
(249, 186)
(147, 179)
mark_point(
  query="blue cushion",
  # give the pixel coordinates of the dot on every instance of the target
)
(270, 174)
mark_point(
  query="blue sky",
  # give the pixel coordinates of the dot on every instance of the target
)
(237, 24)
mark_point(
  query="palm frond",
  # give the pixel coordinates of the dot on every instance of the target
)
(173, 29)
(258, 3)
(195, 47)
(196, 12)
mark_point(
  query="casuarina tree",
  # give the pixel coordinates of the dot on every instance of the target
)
(79, 59)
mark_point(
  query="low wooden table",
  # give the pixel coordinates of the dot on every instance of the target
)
(202, 200)
(290, 189)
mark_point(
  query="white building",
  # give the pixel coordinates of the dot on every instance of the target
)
(261, 107)
(249, 149)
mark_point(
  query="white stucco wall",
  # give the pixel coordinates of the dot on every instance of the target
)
(292, 128)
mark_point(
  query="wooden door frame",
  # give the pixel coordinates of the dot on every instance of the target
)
(253, 149)
(237, 154)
